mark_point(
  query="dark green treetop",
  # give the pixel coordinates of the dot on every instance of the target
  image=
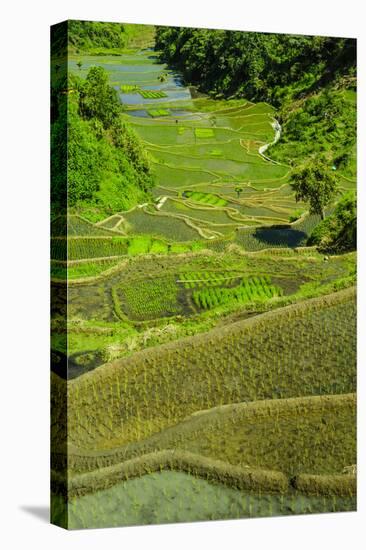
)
(98, 99)
(315, 183)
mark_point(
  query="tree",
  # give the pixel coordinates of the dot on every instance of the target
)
(238, 191)
(339, 231)
(98, 99)
(102, 163)
(315, 183)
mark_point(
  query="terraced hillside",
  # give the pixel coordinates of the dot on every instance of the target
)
(274, 355)
(137, 416)
(212, 176)
(208, 360)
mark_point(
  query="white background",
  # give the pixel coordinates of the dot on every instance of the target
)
(24, 288)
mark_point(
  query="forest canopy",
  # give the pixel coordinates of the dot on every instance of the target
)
(96, 37)
(259, 66)
(86, 34)
(106, 163)
(311, 80)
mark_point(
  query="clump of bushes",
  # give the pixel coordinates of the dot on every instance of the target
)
(338, 232)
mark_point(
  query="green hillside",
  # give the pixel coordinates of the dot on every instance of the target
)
(107, 168)
(274, 355)
(203, 268)
(311, 80)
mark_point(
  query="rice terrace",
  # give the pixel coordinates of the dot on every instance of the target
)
(203, 274)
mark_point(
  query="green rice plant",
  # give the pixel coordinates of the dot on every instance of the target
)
(73, 225)
(139, 245)
(81, 270)
(217, 443)
(335, 485)
(191, 463)
(179, 177)
(159, 247)
(168, 227)
(149, 299)
(250, 289)
(83, 248)
(129, 88)
(204, 133)
(96, 247)
(152, 94)
(158, 112)
(205, 198)
(216, 153)
(199, 279)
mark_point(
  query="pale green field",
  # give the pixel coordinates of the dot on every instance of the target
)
(172, 497)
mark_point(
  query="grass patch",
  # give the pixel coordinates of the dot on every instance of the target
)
(139, 245)
(87, 269)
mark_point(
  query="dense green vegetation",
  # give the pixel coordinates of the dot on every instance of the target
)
(310, 79)
(338, 232)
(259, 66)
(107, 166)
(204, 257)
(323, 122)
(100, 37)
(158, 112)
(313, 183)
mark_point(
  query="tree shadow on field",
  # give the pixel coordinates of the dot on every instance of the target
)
(281, 236)
(40, 512)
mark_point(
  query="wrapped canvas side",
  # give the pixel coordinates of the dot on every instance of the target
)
(59, 99)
